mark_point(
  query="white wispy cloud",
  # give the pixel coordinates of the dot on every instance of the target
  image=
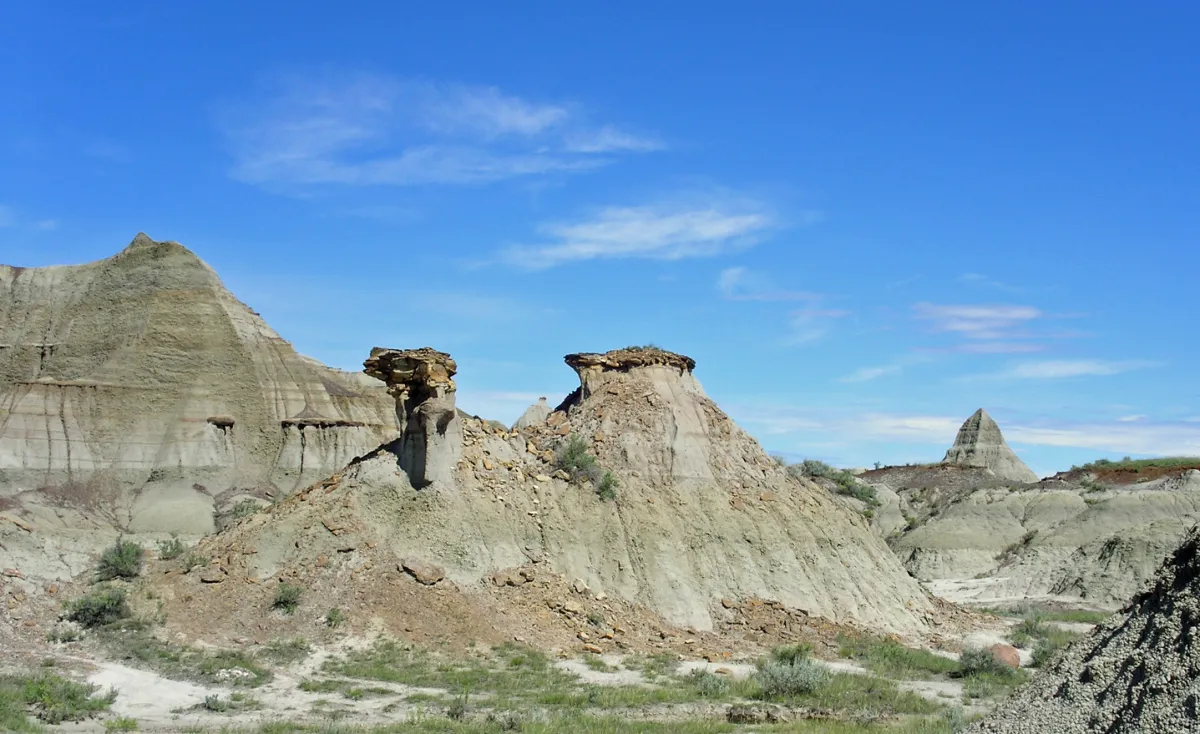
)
(866, 374)
(1132, 418)
(1140, 437)
(668, 232)
(367, 130)
(609, 139)
(991, 322)
(743, 284)
(809, 325)
(1064, 368)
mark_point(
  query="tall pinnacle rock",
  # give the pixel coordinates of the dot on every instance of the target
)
(980, 444)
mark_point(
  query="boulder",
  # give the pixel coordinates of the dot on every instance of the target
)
(1006, 654)
(424, 572)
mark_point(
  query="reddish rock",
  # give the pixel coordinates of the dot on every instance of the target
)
(1006, 654)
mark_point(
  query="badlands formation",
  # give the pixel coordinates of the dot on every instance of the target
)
(1137, 672)
(702, 518)
(138, 395)
(984, 532)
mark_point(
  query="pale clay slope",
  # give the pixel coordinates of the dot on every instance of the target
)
(1056, 539)
(702, 513)
(1137, 672)
(136, 392)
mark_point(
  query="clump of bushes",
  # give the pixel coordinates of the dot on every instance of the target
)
(51, 698)
(335, 617)
(847, 483)
(169, 550)
(244, 508)
(607, 489)
(99, 608)
(977, 661)
(287, 598)
(574, 458)
(121, 560)
(780, 679)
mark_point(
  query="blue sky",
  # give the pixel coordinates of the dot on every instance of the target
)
(864, 220)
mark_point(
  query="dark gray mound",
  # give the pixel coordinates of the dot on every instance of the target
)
(1138, 672)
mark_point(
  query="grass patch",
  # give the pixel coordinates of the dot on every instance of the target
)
(194, 560)
(591, 724)
(233, 704)
(1167, 462)
(224, 667)
(121, 723)
(892, 660)
(287, 651)
(49, 698)
(121, 560)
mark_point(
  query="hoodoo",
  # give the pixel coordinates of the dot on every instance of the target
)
(697, 517)
(422, 382)
(980, 444)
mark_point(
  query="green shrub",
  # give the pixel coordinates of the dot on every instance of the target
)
(102, 606)
(121, 560)
(573, 458)
(607, 489)
(706, 684)
(979, 661)
(287, 597)
(244, 508)
(51, 698)
(780, 680)
(194, 560)
(121, 723)
(169, 550)
(814, 468)
(792, 654)
(335, 617)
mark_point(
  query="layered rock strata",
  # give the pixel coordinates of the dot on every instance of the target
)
(979, 443)
(422, 383)
(702, 517)
(137, 394)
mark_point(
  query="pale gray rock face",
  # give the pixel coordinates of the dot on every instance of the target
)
(138, 391)
(1058, 539)
(701, 512)
(534, 415)
(980, 444)
(1136, 672)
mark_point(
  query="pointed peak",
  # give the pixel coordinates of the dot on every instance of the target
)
(143, 243)
(980, 443)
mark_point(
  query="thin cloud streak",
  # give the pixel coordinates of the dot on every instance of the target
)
(743, 284)
(646, 232)
(376, 130)
(1066, 368)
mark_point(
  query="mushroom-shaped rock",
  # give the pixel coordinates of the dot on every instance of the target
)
(594, 369)
(640, 382)
(422, 382)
